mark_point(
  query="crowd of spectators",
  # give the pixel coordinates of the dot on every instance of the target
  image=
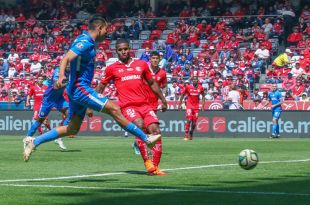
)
(223, 52)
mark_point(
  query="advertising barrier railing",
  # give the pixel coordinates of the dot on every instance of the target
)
(245, 124)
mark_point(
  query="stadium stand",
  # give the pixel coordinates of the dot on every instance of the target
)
(248, 44)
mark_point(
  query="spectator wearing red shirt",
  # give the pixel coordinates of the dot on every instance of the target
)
(289, 83)
(298, 90)
(294, 37)
(4, 96)
(273, 75)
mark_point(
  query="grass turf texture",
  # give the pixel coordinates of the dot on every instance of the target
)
(271, 183)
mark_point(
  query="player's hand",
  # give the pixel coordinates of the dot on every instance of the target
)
(164, 106)
(89, 112)
(61, 82)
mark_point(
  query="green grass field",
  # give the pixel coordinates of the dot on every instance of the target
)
(203, 171)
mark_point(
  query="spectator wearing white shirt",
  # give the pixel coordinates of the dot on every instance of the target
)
(12, 56)
(35, 66)
(262, 53)
(234, 99)
(297, 70)
(267, 26)
(173, 92)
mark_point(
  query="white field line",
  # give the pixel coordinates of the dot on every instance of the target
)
(123, 173)
(163, 190)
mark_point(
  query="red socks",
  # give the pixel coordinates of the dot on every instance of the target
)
(156, 152)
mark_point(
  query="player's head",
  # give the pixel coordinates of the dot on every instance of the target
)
(98, 25)
(40, 79)
(274, 87)
(155, 58)
(123, 50)
(195, 80)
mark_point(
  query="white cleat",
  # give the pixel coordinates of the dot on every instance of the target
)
(152, 139)
(60, 143)
(28, 147)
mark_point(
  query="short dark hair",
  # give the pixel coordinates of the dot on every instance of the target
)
(120, 41)
(154, 53)
(96, 20)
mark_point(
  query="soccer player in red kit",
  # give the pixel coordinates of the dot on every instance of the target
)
(129, 76)
(160, 78)
(36, 91)
(193, 92)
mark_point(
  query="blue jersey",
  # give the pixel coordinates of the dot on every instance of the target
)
(50, 92)
(82, 67)
(275, 98)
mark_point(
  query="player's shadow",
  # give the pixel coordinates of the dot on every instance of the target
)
(93, 180)
(71, 150)
(135, 172)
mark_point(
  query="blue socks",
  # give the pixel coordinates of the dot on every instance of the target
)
(278, 129)
(33, 128)
(136, 131)
(274, 128)
(46, 137)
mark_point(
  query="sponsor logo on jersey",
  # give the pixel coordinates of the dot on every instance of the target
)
(131, 77)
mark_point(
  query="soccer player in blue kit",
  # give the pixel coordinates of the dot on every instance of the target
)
(81, 95)
(276, 99)
(52, 98)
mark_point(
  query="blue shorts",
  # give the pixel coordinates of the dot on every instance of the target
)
(85, 97)
(48, 104)
(276, 114)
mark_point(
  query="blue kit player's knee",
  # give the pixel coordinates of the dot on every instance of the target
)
(84, 98)
(276, 114)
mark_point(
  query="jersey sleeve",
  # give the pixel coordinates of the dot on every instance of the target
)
(269, 97)
(108, 76)
(80, 47)
(31, 92)
(164, 82)
(146, 71)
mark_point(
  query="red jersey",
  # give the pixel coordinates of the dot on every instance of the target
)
(160, 78)
(129, 81)
(37, 93)
(193, 96)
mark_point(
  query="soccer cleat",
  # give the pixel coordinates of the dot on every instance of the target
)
(71, 136)
(191, 136)
(136, 148)
(149, 166)
(186, 137)
(28, 147)
(60, 143)
(159, 172)
(152, 139)
(273, 136)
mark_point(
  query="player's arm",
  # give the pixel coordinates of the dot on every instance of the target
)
(70, 55)
(181, 100)
(165, 86)
(29, 97)
(155, 88)
(203, 100)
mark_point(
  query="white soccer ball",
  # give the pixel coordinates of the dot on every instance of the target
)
(248, 159)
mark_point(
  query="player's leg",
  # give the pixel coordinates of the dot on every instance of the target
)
(277, 116)
(152, 123)
(39, 117)
(113, 110)
(275, 125)
(193, 124)
(76, 114)
(89, 98)
(188, 123)
(143, 149)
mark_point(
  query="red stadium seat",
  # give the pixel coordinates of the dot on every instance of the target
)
(155, 34)
(147, 43)
(161, 25)
(265, 87)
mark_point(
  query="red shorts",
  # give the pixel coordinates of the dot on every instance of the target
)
(145, 112)
(192, 114)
